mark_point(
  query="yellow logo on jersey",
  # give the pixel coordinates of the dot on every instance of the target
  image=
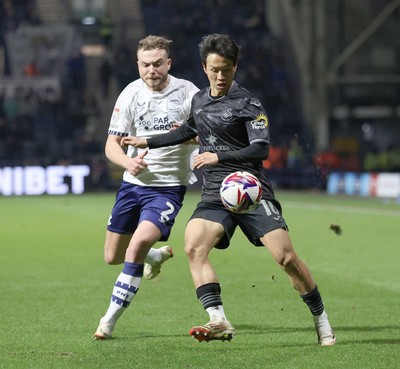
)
(262, 118)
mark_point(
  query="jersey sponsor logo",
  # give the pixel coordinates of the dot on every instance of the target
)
(162, 120)
(260, 122)
(218, 148)
(162, 127)
(142, 123)
(227, 116)
(158, 124)
(161, 124)
(212, 140)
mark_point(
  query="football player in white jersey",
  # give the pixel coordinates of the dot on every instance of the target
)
(154, 183)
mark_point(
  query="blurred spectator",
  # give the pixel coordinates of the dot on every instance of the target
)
(106, 31)
(387, 160)
(76, 118)
(105, 72)
(326, 161)
(295, 154)
(91, 112)
(76, 71)
(124, 66)
(31, 69)
(277, 158)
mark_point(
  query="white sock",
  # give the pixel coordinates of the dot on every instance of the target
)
(322, 324)
(124, 290)
(216, 313)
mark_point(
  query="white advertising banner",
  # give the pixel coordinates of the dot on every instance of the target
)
(388, 185)
(385, 185)
(37, 180)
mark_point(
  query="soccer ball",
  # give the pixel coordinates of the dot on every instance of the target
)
(240, 192)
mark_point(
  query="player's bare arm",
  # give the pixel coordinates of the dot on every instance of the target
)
(117, 155)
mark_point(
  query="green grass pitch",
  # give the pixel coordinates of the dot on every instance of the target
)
(55, 287)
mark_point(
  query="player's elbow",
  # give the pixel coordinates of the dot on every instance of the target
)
(265, 152)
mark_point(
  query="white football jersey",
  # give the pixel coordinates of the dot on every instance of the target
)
(144, 113)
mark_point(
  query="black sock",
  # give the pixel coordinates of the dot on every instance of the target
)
(209, 295)
(314, 301)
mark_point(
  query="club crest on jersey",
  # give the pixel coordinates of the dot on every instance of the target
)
(227, 116)
(260, 122)
(255, 103)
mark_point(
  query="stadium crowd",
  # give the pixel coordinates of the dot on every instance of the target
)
(262, 66)
(35, 129)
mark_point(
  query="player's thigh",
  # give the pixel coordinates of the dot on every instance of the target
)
(115, 247)
(279, 245)
(202, 234)
(146, 234)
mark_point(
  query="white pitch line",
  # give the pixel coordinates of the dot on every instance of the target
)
(345, 209)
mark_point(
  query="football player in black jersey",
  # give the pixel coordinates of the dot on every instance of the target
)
(232, 128)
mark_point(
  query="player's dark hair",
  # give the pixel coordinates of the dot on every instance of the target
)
(152, 42)
(220, 44)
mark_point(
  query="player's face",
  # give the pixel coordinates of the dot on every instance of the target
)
(153, 68)
(220, 72)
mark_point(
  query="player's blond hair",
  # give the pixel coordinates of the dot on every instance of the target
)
(152, 42)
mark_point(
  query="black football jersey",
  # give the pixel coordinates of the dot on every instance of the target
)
(229, 123)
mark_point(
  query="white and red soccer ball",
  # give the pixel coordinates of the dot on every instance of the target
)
(240, 192)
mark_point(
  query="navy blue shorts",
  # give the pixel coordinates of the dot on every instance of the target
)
(133, 204)
(266, 217)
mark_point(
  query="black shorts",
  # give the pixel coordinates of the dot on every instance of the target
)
(266, 217)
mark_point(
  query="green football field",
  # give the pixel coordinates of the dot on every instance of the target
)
(55, 287)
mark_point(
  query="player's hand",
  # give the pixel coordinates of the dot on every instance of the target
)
(175, 126)
(140, 143)
(137, 164)
(206, 158)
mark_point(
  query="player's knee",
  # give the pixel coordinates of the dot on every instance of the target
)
(111, 259)
(190, 250)
(288, 262)
(195, 252)
(108, 260)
